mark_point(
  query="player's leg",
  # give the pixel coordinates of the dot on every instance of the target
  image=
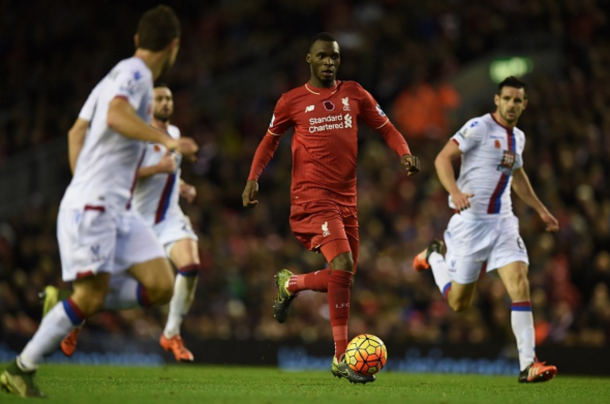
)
(456, 275)
(86, 300)
(514, 277)
(184, 254)
(313, 225)
(339, 296)
(87, 240)
(510, 257)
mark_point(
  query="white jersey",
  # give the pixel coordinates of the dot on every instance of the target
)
(156, 197)
(107, 165)
(490, 154)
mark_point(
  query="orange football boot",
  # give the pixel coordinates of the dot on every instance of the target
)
(537, 372)
(420, 262)
(68, 344)
(176, 345)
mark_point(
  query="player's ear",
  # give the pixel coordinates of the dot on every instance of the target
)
(136, 40)
(308, 58)
(525, 101)
(497, 99)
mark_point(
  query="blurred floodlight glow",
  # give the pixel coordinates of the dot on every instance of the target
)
(499, 69)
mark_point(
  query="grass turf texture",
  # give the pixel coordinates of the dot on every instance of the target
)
(69, 384)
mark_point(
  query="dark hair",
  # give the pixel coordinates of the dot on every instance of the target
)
(157, 28)
(322, 36)
(511, 81)
(160, 84)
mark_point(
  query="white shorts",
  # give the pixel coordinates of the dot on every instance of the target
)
(174, 228)
(98, 240)
(472, 243)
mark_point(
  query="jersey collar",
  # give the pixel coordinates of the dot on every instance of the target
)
(318, 91)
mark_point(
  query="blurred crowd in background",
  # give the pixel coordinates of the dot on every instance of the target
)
(236, 59)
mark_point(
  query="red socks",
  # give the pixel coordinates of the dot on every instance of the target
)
(339, 285)
(316, 281)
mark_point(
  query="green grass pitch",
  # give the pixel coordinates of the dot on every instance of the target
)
(69, 384)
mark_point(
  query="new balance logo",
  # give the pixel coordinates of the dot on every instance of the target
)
(325, 231)
(309, 108)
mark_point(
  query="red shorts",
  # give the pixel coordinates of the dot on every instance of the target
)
(318, 223)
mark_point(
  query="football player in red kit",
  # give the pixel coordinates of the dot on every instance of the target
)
(324, 113)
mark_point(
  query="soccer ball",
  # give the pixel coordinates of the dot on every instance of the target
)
(366, 354)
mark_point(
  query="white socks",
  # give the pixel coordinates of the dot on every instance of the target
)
(440, 271)
(184, 294)
(522, 321)
(58, 322)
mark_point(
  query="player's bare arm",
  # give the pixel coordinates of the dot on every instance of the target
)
(250, 193)
(187, 191)
(446, 175)
(523, 189)
(410, 163)
(123, 119)
(76, 139)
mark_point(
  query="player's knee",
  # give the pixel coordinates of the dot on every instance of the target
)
(160, 293)
(344, 262)
(90, 302)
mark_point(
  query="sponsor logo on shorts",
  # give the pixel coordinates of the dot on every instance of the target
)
(520, 244)
(325, 231)
(95, 251)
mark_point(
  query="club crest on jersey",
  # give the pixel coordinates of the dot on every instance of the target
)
(497, 144)
(328, 105)
(509, 158)
(345, 102)
(157, 148)
(380, 110)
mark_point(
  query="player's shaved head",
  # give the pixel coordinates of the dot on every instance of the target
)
(322, 36)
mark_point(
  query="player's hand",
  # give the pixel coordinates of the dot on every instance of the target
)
(249, 195)
(188, 192)
(185, 146)
(410, 163)
(552, 225)
(167, 163)
(461, 200)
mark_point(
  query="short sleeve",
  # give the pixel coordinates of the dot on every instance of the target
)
(88, 109)
(132, 83)
(370, 111)
(281, 120)
(470, 135)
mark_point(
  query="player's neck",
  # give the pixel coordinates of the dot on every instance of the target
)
(161, 125)
(502, 122)
(315, 83)
(154, 60)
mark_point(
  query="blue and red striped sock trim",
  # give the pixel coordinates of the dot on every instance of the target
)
(446, 290)
(521, 306)
(142, 296)
(189, 270)
(75, 314)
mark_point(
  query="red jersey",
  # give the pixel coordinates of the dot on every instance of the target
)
(325, 140)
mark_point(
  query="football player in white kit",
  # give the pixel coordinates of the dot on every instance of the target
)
(483, 234)
(107, 250)
(156, 198)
